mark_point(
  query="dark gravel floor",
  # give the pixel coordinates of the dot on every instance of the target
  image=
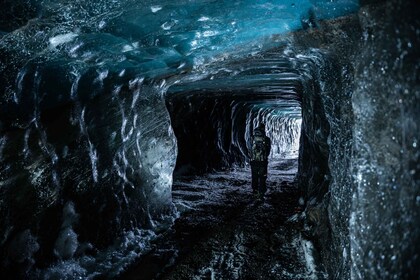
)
(224, 233)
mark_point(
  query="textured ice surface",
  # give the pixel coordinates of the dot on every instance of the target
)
(110, 262)
(359, 128)
(66, 243)
(113, 158)
(154, 37)
(23, 247)
(83, 119)
(385, 214)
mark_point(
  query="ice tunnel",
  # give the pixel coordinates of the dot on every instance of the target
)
(257, 90)
(104, 102)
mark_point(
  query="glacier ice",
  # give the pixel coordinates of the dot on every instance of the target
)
(357, 125)
(100, 100)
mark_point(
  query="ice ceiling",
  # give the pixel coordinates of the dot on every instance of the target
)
(72, 50)
(77, 50)
(156, 37)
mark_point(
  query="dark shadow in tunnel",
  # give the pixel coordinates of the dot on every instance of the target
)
(213, 127)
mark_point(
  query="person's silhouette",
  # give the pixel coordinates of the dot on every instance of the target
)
(260, 150)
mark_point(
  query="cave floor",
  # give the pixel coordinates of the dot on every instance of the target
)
(224, 233)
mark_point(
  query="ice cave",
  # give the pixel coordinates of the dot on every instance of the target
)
(126, 128)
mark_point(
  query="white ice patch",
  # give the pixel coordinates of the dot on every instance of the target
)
(310, 262)
(93, 160)
(102, 24)
(37, 175)
(102, 75)
(156, 8)
(160, 166)
(203, 19)
(294, 218)
(210, 33)
(127, 48)
(184, 206)
(301, 201)
(62, 39)
(169, 24)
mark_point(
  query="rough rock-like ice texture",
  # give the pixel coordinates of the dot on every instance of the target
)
(66, 243)
(325, 156)
(385, 214)
(22, 249)
(366, 216)
(113, 156)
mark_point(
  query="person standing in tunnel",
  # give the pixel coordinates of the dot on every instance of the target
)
(261, 145)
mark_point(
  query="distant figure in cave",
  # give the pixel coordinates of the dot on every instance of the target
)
(260, 150)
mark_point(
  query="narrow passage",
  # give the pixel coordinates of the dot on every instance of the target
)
(224, 233)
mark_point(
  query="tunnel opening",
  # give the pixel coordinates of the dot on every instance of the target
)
(214, 130)
(214, 117)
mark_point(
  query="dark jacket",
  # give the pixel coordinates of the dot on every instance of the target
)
(267, 144)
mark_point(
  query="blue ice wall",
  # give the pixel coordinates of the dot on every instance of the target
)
(155, 37)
